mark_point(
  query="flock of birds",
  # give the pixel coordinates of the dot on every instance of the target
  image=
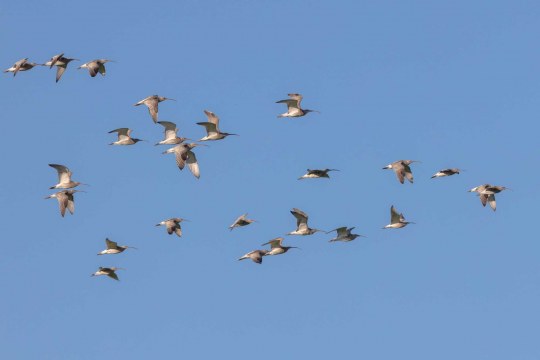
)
(184, 154)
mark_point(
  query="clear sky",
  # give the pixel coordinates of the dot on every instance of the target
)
(449, 83)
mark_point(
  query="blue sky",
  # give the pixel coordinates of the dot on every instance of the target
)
(452, 84)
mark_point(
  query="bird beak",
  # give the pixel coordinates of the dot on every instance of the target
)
(158, 224)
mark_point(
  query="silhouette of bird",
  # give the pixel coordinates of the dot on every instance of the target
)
(109, 271)
(446, 172)
(61, 64)
(114, 248)
(241, 221)
(316, 174)
(276, 248)
(486, 193)
(301, 224)
(171, 137)
(95, 66)
(255, 255)
(212, 128)
(152, 102)
(173, 226)
(64, 178)
(344, 234)
(184, 154)
(293, 106)
(65, 200)
(397, 220)
(21, 65)
(124, 137)
(402, 169)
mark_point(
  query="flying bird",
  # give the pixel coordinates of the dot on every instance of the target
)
(152, 102)
(212, 128)
(397, 220)
(95, 66)
(64, 178)
(446, 172)
(61, 64)
(293, 106)
(184, 154)
(276, 248)
(65, 200)
(171, 137)
(21, 65)
(301, 224)
(487, 193)
(110, 272)
(114, 248)
(344, 234)
(124, 137)
(402, 169)
(316, 174)
(242, 220)
(173, 226)
(255, 255)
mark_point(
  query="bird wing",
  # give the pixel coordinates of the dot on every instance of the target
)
(64, 174)
(101, 68)
(111, 244)
(171, 225)
(483, 199)
(238, 219)
(394, 215)
(211, 128)
(178, 230)
(212, 118)
(492, 202)
(123, 133)
(70, 202)
(256, 256)
(113, 275)
(62, 198)
(408, 173)
(181, 156)
(399, 169)
(170, 129)
(192, 164)
(60, 71)
(301, 218)
(274, 243)
(93, 68)
(152, 104)
(291, 104)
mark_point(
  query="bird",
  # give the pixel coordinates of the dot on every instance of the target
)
(212, 128)
(316, 174)
(64, 178)
(344, 234)
(397, 220)
(487, 192)
(241, 221)
(152, 102)
(109, 271)
(402, 169)
(65, 200)
(95, 66)
(61, 64)
(114, 248)
(171, 137)
(293, 106)
(276, 248)
(124, 137)
(255, 255)
(301, 224)
(173, 225)
(446, 172)
(21, 65)
(184, 154)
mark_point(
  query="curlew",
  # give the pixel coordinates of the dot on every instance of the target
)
(21, 65)
(109, 271)
(301, 224)
(152, 102)
(242, 220)
(344, 234)
(316, 174)
(276, 248)
(446, 172)
(65, 200)
(402, 169)
(61, 64)
(124, 137)
(255, 255)
(114, 248)
(64, 178)
(397, 220)
(184, 154)
(212, 128)
(486, 193)
(293, 106)
(95, 66)
(173, 226)
(170, 136)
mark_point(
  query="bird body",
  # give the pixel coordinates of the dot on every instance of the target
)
(21, 65)
(114, 248)
(276, 248)
(173, 226)
(446, 172)
(301, 224)
(242, 220)
(402, 169)
(255, 255)
(152, 102)
(184, 154)
(95, 66)
(65, 200)
(109, 271)
(316, 174)
(212, 128)
(397, 220)
(293, 106)
(64, 178)
(124, 137)
(344, 234)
